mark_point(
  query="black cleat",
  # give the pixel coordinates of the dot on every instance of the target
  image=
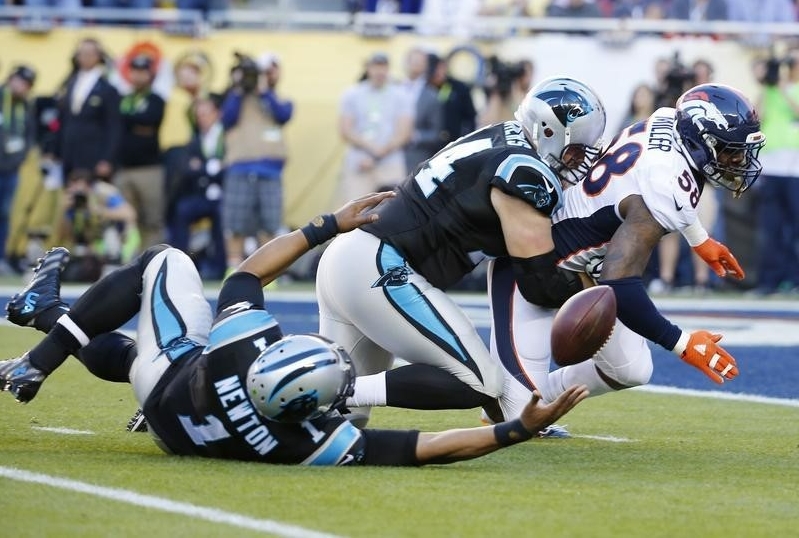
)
(137, 422)
(42, 293)
(20, 378)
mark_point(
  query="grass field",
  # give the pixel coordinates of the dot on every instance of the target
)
(676, 466)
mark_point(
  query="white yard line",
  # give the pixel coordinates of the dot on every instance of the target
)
(165, 505)
(610, 438)
(64, 431)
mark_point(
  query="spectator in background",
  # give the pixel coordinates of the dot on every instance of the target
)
(416, 73)
(97, 223)
(253, 117)
(459, 113)
(638, 9)
(91, 125)
(141, 176)
(375, 121)
(17, 135)
(191, 71)
(642, 105)
(427, 135)
(573, 9)
(778, 233)
(199, 190)
(698, 10)
(761, 11)
(506, 86)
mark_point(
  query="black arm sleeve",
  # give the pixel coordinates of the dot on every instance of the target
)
(395, 448)
(241, 287)
(542, 282)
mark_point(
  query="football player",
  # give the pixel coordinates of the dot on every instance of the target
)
(233, 387)
(381, 289)
(646, 184)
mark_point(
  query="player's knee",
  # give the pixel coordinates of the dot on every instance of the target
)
(635, 372)
(150, 253)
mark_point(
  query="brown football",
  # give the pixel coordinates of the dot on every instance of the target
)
(583, 325)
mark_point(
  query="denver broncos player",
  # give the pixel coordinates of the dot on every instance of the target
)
(235, 388)
(646, 184)
(490, 193)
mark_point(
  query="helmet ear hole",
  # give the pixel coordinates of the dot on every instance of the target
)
(549, 133)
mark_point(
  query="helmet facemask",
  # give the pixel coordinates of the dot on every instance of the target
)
(733, 165)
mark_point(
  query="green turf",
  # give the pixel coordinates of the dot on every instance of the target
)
(693, 467)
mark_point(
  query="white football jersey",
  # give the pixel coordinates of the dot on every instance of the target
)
(645, 159)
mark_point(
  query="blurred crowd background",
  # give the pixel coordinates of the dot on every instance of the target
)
(214, 125)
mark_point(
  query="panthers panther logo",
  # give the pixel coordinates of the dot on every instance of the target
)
(567, 104)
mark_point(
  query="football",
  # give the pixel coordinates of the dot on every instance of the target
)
(583, 325)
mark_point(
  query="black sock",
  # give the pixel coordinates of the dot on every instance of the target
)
(422, 386)
(46, 320)
(51, 352)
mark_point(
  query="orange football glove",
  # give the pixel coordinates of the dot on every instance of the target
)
(704, 353)
(719, 258)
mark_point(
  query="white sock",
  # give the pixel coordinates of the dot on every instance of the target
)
(370, 391)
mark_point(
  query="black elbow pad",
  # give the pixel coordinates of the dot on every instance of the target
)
(542, 282)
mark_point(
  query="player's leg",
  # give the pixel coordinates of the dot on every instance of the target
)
(174, 319)
(519, 339)
(624, 361)
(366, 283)
(104, 307)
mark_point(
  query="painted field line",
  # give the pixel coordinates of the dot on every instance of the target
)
(609, 438)
(64, 431)
(166, 505)
(754, 398)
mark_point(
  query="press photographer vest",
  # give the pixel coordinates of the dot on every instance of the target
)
(256, 136)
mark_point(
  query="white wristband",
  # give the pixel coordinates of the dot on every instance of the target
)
(681, 344)
(695, 233)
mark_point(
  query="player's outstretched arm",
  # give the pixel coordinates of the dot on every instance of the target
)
(273, 258)
(463, 444)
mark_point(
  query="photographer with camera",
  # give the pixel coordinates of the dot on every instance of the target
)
(97, 223)
(673, 79)
(505, 86)
(253, 117)
(778, 211)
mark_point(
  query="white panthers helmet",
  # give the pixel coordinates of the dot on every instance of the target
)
(300, 377)
(565, 120)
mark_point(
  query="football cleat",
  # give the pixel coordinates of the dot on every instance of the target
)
(137, 422)
(554, 431)
(42, 293)
(20, 378)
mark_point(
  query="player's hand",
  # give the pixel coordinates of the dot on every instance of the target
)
(719, 258)
(704, 353)
(356, 212)
(537, 416)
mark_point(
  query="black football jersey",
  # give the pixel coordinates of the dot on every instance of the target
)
(442, 220)
(200, 406)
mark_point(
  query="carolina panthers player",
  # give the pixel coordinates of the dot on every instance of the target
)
(646, 184)
(490, 193)
(234, 388)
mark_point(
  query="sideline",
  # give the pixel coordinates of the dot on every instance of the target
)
(165, 505)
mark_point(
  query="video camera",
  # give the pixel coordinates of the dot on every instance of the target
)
(772, 67)
(678, 79)
(245, 73)
(501, 76)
